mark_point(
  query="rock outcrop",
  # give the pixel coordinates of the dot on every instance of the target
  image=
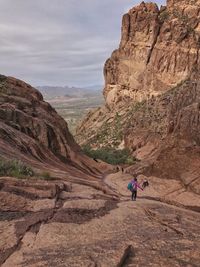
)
(158, 50)
(32, 131)
(152, 92)
(53, 224)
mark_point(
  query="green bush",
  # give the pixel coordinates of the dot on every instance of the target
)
(45, 176)
(110, 155)
(15, 168)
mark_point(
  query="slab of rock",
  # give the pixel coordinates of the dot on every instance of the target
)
(33, 132)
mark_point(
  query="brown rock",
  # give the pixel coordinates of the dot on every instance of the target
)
(158, 49)
(152, 91)
(99, 232)
(32, 131)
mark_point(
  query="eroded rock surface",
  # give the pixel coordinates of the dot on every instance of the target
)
(97, 229)
(158, 50)
(32, 131)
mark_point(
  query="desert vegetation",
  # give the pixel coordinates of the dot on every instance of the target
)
(15, 168)
(164, 15)
(18, 169)
(110, 155)
(45, 176)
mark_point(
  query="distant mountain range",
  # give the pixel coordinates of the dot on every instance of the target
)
(59, 91)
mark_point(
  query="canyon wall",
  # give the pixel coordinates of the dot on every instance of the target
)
(158, 50)
(152, 91)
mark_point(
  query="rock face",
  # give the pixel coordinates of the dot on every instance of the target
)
(23, 109)
(152, 92)
(32, 131)
(158, 50)
(164, 134)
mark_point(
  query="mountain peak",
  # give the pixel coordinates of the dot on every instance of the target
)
(158, 50)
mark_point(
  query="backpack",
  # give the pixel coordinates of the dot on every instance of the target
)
(130, 186)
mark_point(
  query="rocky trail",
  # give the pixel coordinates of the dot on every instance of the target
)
(59, 223)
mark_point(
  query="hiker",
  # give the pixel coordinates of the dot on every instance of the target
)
(122, 169)
(133, 186)
(145, 183)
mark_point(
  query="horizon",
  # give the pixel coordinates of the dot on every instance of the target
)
(60, 44)
(70, 86)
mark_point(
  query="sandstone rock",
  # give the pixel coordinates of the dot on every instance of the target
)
(32, 131)
(152, 81)
(158, 50)
(86, 232)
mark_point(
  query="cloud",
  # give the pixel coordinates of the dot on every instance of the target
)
(62, 42)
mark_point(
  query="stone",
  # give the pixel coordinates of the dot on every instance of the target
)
(33, 132)
(153, 80)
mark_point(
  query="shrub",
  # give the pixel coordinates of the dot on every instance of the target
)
(15, 168)
(45, 176)
(2, 78)
(164, 16)
(176, 88)
(110, 155)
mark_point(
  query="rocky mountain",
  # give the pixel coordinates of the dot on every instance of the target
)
(152, 92)
(158, 50)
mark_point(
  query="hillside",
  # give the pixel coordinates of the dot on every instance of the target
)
(32, 131)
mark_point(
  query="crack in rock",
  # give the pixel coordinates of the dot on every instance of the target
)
(32, 223)
(152, 217)
(127, 255)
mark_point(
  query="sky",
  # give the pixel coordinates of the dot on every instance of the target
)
(59, 42)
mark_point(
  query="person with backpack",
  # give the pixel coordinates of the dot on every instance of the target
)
(133, 186)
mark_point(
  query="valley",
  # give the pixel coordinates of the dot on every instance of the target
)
(73, 110)
(73, 104)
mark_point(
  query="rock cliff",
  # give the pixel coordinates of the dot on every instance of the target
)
(152, 91)
(158, 49)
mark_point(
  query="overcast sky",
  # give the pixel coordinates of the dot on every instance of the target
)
(59, 42)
